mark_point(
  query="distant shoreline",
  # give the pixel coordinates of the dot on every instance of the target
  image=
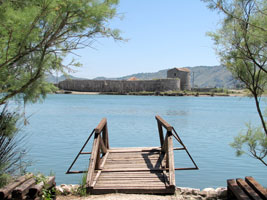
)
(180, 93)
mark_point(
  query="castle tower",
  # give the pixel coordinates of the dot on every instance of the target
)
(183, 74)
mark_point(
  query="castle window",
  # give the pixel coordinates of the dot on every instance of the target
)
(174, 74)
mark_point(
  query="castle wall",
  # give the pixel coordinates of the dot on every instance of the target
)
(120, 85)
(182, 75)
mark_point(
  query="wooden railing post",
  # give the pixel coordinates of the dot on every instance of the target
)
(105, 136)
(97, 164)
(98, 144)
(161, 137)
(93, 159)
(170, 161)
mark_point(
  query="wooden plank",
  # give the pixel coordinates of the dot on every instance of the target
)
(96, 178)
(134, 149)
(144, 166)
(133, 159)
(129, 177)
(131, 185)
(247, 189)
(166, 177)
(104, 160)
(165, 144)
(132, 173)
(101, 125)
(136, 153)
(261, 191)
(131, 169)
(6, 191)
(97, 164)
(105, 136)
(233, 187)
(93, 159)
(132, 178)
(20, 191)
(154, 164)
(131, 182)
(164, 123)
(138, 160)
(130, 164)
(134, 191)
(171, 159)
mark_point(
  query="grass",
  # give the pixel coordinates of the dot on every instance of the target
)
(82, 188)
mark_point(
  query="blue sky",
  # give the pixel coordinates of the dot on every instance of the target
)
(162, 34)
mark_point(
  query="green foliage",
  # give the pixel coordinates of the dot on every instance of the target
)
(35, 36)
(47, 194)
(241, 45)
(9, 139)
(253, 143)
(4, 179)
(241, 40)
(39, 177)
(82, 188)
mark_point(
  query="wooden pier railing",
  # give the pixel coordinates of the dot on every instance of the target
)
(169, 143)
(100, 146)
(132, 170)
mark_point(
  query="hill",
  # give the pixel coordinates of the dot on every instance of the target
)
(53, 79)
(202, 76)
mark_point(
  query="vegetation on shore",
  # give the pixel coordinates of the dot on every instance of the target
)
(36, 36)
(206, 92)
(241, 44)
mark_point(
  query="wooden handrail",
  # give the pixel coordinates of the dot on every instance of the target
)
(93, 159)
(100, 143)
(101, 125)
(164, 123)
(170, 160)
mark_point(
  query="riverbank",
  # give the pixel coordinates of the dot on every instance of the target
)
(68, 192)
(232, 93)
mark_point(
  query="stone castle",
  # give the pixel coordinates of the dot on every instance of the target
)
(177, 79)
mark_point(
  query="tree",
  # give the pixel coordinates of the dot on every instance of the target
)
(242, 47)
(35, 36)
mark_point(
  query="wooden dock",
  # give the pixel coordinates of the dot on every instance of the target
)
(148, 170)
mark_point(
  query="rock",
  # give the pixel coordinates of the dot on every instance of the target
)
(59, 189)
(66, 189)
(209, 190)
(221, 192)
(187, 191)
(203, 193)
(195, 191)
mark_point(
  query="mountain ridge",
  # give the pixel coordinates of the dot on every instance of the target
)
(201, 77)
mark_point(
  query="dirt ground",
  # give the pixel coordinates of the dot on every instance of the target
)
(121, 197)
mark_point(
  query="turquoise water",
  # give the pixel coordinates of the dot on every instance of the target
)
(59, 127)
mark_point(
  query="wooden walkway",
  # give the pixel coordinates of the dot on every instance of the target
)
(132, 170)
